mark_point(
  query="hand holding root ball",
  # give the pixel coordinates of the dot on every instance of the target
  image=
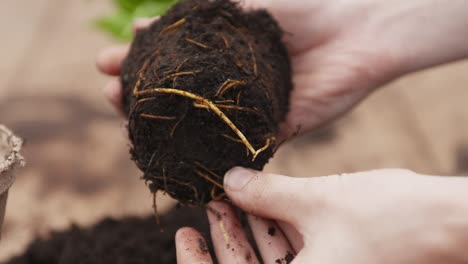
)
(332, 70)
(340, 52)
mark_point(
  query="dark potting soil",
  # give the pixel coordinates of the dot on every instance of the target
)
(130, 240)
(126, 241)
(204, 89)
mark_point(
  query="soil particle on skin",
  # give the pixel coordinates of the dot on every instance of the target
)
(202, 245)
(286, 260)
(215, 212)
(193, 82)
(289, 257)
(272, 231)
(248, 256)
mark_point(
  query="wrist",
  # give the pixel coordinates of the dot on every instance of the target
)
(422, 33)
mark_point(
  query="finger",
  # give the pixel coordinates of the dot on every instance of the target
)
(113, 92)
(274, 196)
(294, 237)
(109, 60)
(191, 247)
(229, 239)
(255, 4)
(271, 242)
(142, 23)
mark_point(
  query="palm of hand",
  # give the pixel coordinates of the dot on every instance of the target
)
(335, 65)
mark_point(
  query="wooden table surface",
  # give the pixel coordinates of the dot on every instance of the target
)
(78, 164)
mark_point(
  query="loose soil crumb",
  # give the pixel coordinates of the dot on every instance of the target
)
(271, 231)
(289, 257)
(286, 260)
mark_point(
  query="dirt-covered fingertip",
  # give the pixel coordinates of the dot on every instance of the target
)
(187, 233)
(191, 247)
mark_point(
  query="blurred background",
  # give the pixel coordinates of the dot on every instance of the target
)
(78, 167)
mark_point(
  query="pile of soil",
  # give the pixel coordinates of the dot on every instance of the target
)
(125, 241)
(205, 89)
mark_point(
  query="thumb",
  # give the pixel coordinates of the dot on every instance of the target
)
(274, 196)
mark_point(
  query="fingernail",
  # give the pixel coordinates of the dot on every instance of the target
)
(237, 178)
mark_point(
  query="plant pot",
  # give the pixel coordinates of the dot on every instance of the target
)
(10, 161)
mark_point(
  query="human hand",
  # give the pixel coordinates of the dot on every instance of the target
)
(331, 70)
(343, 50)
(230, 242)
(382, 216)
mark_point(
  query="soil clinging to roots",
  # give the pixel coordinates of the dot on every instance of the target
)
(204, 88)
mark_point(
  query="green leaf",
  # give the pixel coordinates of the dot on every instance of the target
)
(128, 5)
(151, 9)
(119, 25)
